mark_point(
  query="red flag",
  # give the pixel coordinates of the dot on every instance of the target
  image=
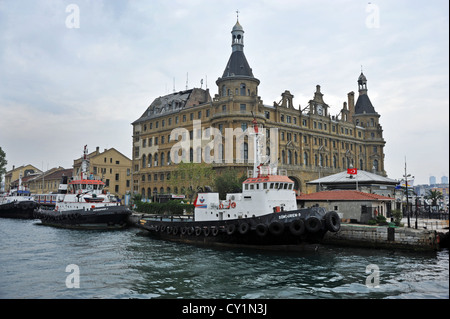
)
(352, 171)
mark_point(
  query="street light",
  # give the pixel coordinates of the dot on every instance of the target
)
(407, 201)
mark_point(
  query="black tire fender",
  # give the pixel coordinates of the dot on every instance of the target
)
(332, 221)
(313, 224)
(276, 227)
(297, 227)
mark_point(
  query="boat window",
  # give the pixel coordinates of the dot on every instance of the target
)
(246, 186)
(285, 186)
(276, 185)
(290, 186)
(83, 186)
(271, 185)
(264, 185)
(257, 186)
(252, 186)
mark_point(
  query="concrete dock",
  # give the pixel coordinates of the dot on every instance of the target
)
(355, 235)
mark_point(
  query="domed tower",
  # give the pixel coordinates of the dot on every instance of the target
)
(365, 116)
(237, 78)
(237, 98)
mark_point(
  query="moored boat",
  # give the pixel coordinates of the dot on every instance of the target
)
(264, 215)
(82, 203)
(18, 203)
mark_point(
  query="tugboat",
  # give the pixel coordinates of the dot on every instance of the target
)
(82, 203)
(264, 215)
(18, 203)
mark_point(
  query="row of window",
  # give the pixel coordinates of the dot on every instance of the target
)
(175, 120)
(320, 160)
(257, 186)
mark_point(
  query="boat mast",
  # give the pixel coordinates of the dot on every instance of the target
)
(256, 148)
(84, 164)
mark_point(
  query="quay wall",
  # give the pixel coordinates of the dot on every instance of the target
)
(383, 237)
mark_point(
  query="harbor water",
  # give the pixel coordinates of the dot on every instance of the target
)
(43, 262)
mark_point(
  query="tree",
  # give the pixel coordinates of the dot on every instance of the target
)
(434, 195)
(191, 177)
(229, 182)
(3, 163)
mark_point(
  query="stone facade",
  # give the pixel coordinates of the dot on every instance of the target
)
(309, 142)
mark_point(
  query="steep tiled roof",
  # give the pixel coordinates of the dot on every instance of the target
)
(343, 195)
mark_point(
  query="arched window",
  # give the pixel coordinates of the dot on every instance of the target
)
(296, 158)
(283, 157)
(149, 192)
(224, 90)
(162, 159)
(156, 159)
(150, 160)
(305, 158)
(242, 88)
(361, 164)
(334, 161)
(289, 159)
(144, 161)
(375, 165)
(168, 158)
(244, 152)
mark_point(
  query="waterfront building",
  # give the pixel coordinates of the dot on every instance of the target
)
(352, 205)
(47, 182)
(12, 176)
(309, 141)
(363, 181)
(112, 167)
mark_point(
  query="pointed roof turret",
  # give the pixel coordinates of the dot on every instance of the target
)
(363, 104)
(237, 64)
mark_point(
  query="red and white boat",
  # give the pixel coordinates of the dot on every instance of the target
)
(83, 203)
(264, 215)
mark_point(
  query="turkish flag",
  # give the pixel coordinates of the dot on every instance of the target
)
(352, 171)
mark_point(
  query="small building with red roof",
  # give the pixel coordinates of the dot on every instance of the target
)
(351, 205)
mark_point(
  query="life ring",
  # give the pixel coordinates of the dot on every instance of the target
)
(163, 228)
(332, 221)
(231, 228)
(206, 231)
(220, 206)
(276, 228)
(157, 228)
(297, 227)
(243, 228)
(190, 230)
(313, 224)
(233, 205)
(183, 230)
(169, 229)
(198, 231)
(175, 230)
(261, 230)
(214, 231)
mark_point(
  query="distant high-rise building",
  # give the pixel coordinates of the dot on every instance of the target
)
(444, 180)
(432, 180)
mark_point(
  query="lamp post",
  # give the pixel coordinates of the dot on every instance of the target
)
(407, 201)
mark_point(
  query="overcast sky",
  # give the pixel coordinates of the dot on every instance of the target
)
(66, 82)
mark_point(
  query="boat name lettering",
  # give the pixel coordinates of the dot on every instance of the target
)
(288, 215)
